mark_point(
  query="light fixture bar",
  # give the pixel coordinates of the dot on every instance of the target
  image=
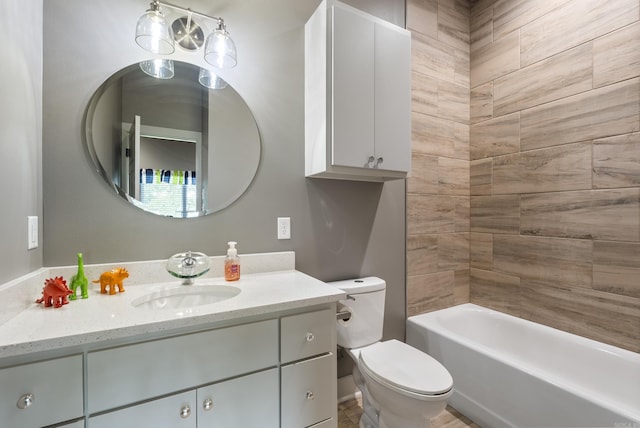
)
(154, 35)
(188, 10)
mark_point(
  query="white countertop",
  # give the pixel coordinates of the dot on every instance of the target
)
(104, 317)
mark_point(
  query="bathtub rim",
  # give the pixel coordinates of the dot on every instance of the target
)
(437, 327)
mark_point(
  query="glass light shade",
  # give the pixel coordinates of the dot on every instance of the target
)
(153, 34)
(211, 80)
(158, 68)
(220, 51)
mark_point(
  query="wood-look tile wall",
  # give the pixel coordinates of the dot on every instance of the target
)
(555, 164)
(438, 189)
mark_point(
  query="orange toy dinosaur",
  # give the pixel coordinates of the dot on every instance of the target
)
(112, 279)
(55, 292)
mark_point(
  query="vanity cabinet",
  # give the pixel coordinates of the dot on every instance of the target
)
(357, 95)
(258, 373)
(30, 394)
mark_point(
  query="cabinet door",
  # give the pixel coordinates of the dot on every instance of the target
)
(392, 97)
(176, 411)
(309, 391)
(352, 88)
(41, 393)
(248, 402)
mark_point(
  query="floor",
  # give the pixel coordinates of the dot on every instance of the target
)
(349, 414)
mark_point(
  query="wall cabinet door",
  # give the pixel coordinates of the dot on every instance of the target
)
(392, 98)
(175, 411)
(357, 95)
(353, 88)
(248, 402)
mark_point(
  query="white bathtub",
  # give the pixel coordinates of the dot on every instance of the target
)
(509, 372)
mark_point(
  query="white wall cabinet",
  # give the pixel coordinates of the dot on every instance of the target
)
(357, 96)
(244, 375)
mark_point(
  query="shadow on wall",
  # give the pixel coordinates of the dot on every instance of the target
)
(338, 236)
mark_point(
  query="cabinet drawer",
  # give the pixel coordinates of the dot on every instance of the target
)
(177, 411)
(128, 374)
(306, 335)
(309, 391)
(56, 387)
(249, 402)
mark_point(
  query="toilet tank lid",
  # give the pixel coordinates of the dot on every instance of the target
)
(360, 285)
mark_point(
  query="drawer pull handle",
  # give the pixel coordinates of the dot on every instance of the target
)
(207, 404)
(185, 412)
(310, 395)
(310, 337)
(25, 401)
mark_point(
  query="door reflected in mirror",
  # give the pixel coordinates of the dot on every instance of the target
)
(172, 147)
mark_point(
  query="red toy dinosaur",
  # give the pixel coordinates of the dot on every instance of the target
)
(55, 292)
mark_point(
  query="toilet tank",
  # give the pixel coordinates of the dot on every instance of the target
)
(366, 303)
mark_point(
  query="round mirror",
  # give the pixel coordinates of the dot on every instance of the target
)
(170, 145)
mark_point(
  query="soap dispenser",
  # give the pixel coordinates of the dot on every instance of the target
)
(232, 263)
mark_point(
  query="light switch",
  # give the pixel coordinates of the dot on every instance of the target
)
(32, 232)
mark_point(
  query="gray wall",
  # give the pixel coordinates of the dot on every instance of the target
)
(340, 229)
(20, 134)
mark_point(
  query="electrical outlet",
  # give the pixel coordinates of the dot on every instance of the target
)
(284, 228)
(32, 232)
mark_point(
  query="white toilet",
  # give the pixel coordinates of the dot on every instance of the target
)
(401, 386)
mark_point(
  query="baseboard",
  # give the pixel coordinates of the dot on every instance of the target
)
(347, 389)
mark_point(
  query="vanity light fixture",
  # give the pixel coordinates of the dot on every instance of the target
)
(152, 32)
(156, 36)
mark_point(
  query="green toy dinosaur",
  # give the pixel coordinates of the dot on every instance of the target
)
(79, 280)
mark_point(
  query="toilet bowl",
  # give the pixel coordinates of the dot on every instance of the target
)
(402, 387)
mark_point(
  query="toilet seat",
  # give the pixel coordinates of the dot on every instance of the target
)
(405, 369)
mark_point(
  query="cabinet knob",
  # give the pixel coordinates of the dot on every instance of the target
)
(25, 401)
(310, 337)
(207, 404)
(185, 411)
(310, 395)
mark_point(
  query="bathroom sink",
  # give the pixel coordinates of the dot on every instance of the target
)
(185, 296)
